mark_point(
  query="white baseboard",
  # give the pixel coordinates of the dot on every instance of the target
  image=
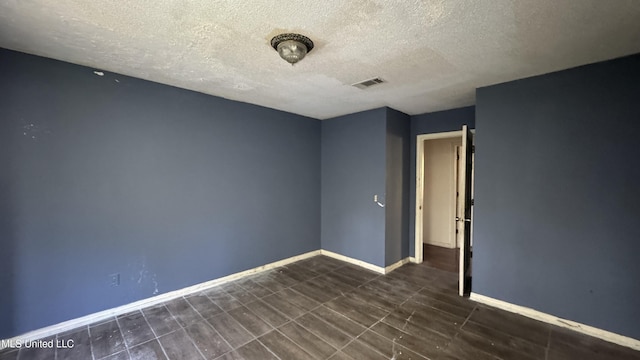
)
(364, 264)
(137, 305)
(120, 310)
(554, 320)
(396, 265)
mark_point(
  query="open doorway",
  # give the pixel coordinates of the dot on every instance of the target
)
(444, 170)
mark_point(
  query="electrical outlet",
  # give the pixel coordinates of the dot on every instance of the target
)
(114, 279)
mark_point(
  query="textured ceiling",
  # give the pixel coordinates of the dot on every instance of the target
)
(432, 54)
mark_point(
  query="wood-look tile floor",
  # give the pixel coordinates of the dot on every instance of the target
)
(441, 258)
(321, 308)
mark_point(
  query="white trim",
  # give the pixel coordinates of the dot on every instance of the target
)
(106, 314)
(420, 188)
(364, 264)
(396, 265)
(412, 259)
(554, 320)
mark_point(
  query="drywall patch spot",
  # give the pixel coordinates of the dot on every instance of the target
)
(155, 284)
(33, 131)
(99, 73)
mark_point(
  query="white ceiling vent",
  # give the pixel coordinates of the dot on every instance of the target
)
(367, 83)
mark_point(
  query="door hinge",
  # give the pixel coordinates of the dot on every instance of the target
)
(473, 149)
(471, 202)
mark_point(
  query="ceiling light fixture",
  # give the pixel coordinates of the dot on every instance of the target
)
(292, 47)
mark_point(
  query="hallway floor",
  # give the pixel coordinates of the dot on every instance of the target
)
(441, 258)
(321, 308)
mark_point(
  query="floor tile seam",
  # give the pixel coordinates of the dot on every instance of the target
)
(468, 319)
(184, 328)
(174, 317)
(367, 303)
(315, 275)
(283, 334)
(346, 284)
(149, 341)
(405, 332)
(427, 329)
(273, 309)
(504, 333)
(444, 302)
(351, 288)
(156, 337)
(296, 343)
(300, 293)
(275, 291)
(283, 284)
(253, 337)
(412, 294)
(55, 349)
(125, 350)
(193, 308)
(269, 350)
(171, 332)
(310, 312)
(339, 314)
(194, 344)
(90, 342)
(235, 297)
(186, 297)
(213, 301)
(505, 347)
(126, 345)
(392, 278)
(457, 333)
(318, 335)
(389, 310)
(207, 323)
(352, 278)
(546, 352)
(296, 306)
(244, 327)
(251, 292)
(370, 328)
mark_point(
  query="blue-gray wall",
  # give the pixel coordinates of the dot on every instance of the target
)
(353, 171)
(165, 186)
(397, 187)
(557, 194)
(436, 122)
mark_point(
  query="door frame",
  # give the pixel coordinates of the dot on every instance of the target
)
(420, 186)
(418, 231)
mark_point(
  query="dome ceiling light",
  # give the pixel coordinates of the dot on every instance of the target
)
(292, 47)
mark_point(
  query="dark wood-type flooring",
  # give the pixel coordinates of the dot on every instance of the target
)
(441, 258)
(321, 308)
